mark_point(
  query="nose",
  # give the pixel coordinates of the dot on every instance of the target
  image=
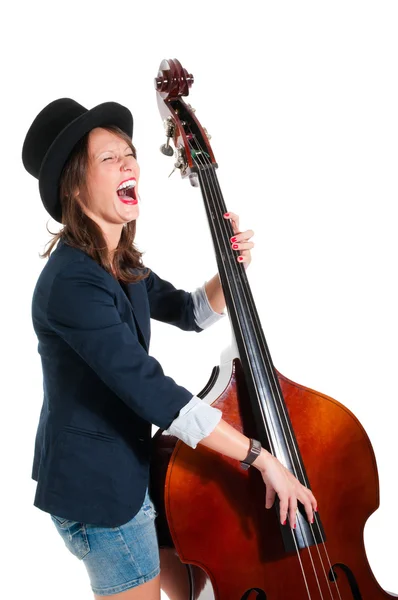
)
(125, 166)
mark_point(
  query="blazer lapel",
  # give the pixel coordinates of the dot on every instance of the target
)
(137, 295)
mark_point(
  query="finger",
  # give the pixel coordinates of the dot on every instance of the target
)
(309, 503)
(269, 496)
(314, 502)
(243, 236)
(308, 509)
(283, 508)
(292, 511)
(242, 246)
(234, 220)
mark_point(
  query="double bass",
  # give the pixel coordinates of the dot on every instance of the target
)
(209, 509)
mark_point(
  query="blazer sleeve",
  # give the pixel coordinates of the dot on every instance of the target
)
(82, 311)
(170, 305)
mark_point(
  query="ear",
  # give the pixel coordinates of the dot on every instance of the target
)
(77, 198)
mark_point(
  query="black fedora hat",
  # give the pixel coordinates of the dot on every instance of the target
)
(53, 135)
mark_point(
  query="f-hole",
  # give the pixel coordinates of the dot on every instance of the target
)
(260, 594)
(333, 577)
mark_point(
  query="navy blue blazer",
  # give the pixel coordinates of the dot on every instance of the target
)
(101, 389)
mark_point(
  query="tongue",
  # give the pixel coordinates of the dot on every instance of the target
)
(127, 193)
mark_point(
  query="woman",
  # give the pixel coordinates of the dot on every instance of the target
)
(91, 309)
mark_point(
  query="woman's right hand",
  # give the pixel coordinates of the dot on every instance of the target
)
(279, 480)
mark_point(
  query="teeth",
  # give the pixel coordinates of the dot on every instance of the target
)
(127, 184)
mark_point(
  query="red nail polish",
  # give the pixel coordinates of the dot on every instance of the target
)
(284, 522)
(226, 214)
(235, 246)
(240, 258)
(233, 239)
(294, 526)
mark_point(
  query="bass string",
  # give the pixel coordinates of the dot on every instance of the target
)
(220, 240)
(303, 533)
(281, 404)
(250, 302)
(231, 282)
(244, 320)
(306, 541)
(234, 268)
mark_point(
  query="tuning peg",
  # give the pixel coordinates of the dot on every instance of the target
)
(169, 130)
(194, 179)
(180, 162)
(166, 148)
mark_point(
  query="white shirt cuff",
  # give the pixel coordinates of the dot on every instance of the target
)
(203, 312)
(195, 421)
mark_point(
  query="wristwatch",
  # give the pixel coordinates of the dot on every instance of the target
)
(255, 450)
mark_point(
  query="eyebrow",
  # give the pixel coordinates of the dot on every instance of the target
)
(112, 150)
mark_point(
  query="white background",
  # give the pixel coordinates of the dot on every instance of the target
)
(301, 101)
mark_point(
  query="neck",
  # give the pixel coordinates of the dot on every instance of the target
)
(112, 236)
(111, 231)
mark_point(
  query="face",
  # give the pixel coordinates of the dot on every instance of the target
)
(111, 162)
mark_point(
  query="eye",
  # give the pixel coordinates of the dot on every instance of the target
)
(108, 158)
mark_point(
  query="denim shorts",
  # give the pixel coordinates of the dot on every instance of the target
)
(116, 558)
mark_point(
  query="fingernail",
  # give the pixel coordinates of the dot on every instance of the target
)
(312, 520)
(233, 239)
(316, 509)
(240, 258)
(294, 526)
(235, 246)
(226, 214)
(284, 522)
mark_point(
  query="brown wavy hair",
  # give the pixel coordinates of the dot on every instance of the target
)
(82, 232)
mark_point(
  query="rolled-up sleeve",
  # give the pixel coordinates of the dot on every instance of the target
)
(196, 420)
(203, 312)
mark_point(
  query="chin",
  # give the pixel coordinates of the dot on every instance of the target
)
(128, 215)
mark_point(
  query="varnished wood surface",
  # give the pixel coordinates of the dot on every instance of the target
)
(218, 521)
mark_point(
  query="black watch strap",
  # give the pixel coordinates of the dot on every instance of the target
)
(255, 450)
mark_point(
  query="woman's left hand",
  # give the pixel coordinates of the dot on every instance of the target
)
(240, 240)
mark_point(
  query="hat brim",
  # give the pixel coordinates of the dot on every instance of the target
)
(108, 113)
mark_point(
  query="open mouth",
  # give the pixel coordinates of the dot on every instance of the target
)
(126, 191)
